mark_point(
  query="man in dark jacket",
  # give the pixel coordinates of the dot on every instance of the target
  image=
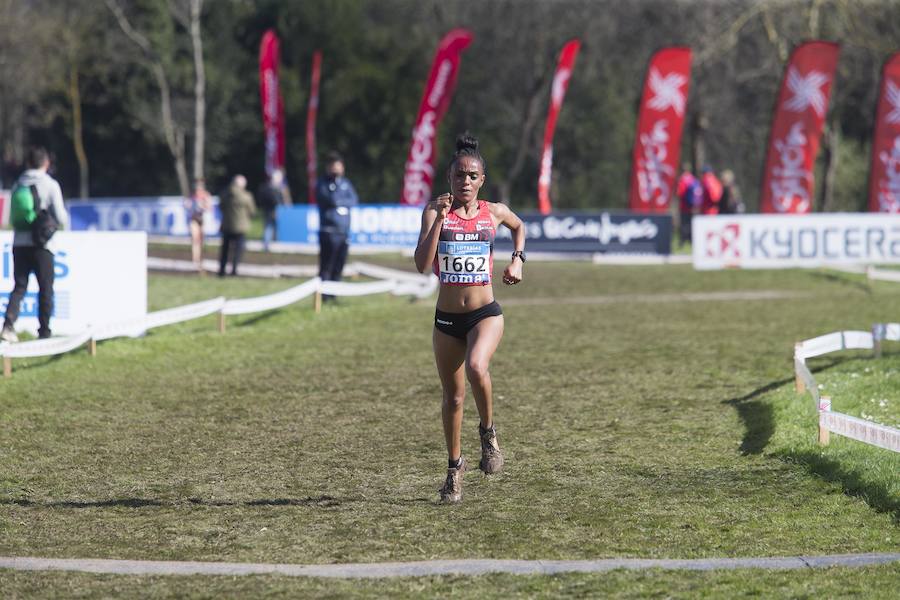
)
(335, 196)
(237, 206)
(272, 194)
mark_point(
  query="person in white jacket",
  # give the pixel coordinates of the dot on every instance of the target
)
(29, 258)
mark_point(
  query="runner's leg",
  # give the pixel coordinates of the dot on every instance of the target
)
(449, 354)
(483, 341)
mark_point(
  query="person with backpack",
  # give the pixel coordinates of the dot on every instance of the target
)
(690, 197)
(36, 212)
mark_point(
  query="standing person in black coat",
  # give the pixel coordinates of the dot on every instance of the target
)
(272, 194)
(335, 196)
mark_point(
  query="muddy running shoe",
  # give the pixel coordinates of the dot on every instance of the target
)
(451, 493)
(491, 458)
(9, 335)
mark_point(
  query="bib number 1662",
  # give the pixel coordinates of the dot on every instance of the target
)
(469, 264)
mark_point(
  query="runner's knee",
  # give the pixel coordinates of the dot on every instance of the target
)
(476, 368)
(455, 399)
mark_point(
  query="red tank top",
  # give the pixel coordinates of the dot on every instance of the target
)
(465, 254)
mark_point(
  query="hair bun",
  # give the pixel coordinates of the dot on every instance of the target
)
(466, 141)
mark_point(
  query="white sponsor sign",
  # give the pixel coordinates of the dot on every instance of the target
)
(783, 241)
(101, 277)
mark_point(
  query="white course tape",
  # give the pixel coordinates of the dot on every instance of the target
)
(860, 430)
(342, 288)
(272, 301)
(883, 274)
(832, 342)
(246, 269)
(179, 314)
(48, 347)
(378, 272)
(806, 376)
(886, 331)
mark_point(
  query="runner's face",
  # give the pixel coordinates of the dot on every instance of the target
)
(466, 178)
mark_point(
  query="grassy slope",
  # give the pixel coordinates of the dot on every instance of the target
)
(631, 429)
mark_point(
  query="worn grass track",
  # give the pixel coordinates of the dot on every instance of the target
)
(659, 430)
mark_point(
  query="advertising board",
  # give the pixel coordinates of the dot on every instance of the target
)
(393, 226)
(100, 277)
(783, 241)
(155, 215)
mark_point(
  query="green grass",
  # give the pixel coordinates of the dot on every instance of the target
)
(631, 429)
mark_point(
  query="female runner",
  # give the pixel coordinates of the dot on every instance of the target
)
(457, 239)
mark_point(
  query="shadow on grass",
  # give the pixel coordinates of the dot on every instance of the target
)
(875, 495)
(257, 319)
(759, 417)
(843, 280)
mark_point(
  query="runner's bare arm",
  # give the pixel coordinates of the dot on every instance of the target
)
(432, 219)
(512, 274)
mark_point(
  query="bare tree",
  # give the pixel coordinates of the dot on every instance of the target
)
(173, 133)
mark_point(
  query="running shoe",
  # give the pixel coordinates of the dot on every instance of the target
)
(9, 335)
(451, 493)
(491, 458)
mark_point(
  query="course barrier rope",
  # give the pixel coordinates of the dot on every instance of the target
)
(831, 421)
(883, 274)
(399, 283)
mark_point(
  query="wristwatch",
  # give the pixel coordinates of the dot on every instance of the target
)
(520, 254)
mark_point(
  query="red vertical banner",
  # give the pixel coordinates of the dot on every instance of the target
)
(657, 143)
(788, 180)
(420, 161)
(270, 96)
(558, 93)
(884, 174)
(311, 112)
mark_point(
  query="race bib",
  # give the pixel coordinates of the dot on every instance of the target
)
(467, 263)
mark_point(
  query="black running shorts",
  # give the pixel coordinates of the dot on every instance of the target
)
(460, 324)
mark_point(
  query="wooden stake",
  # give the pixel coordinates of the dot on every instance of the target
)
(221, 321)
(798, 381)
(7, 366)
(317, 302)
(824, 406)
(92, 347)
(876, 347)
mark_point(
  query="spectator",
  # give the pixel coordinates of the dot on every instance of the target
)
(237, 208)
(335, 196)
(712, 191)
(690, 197)
(731, 202)
(29, 256)
(199, 204)
(272, 194)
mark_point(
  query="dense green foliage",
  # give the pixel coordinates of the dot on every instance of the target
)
(376, 58)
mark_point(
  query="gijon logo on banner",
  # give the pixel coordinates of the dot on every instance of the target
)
(889, 186)
(654, 171)
(791, 180)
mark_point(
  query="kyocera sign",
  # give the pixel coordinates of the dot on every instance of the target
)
(781, 241)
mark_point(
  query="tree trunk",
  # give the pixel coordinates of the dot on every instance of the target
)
(699, 124)
(532, 113)
(830, 154)
(199, 91)
(77, 134)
